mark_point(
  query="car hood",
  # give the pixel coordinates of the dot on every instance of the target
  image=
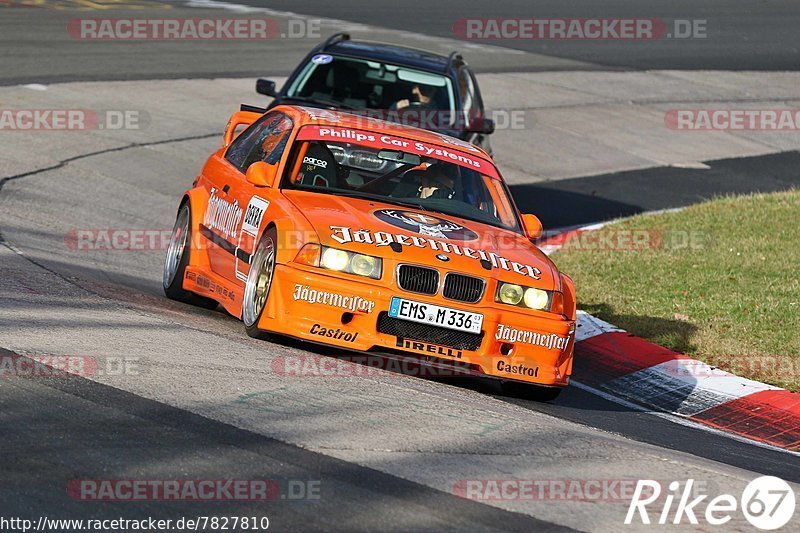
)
(403, 234)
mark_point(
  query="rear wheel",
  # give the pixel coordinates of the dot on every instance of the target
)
(178, 255)
(259, 282)
(527, 391)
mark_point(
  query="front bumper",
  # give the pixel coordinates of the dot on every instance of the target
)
(350, 313)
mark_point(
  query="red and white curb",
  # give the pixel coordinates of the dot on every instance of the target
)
(636, 371)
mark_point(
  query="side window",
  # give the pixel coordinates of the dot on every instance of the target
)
(243, 143)
(476, 93)
(264, 140)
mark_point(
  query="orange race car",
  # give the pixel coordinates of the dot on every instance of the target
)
(375, 237)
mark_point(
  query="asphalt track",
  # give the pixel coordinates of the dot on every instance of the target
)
(741, 35)
(386, 448)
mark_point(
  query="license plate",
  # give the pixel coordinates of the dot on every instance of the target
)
(436, 315)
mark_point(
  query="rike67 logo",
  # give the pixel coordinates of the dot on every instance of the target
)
(767, 503)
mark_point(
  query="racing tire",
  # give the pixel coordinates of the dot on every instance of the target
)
(176, 260)
(259, 283)
(527, 391)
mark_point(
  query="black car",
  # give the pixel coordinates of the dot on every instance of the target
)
(391, 82)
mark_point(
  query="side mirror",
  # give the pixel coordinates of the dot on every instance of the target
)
(482, 125)
(261, 174)
(266, 87)
(533, 226)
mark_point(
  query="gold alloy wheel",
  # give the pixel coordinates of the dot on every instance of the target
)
(259, 280)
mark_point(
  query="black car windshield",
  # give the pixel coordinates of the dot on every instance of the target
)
(387, 168)
(365, 84)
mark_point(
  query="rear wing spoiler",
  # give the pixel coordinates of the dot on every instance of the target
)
(252, 108)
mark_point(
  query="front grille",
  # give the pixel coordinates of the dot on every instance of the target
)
(463, 288)
(460, 340)
(418, 279)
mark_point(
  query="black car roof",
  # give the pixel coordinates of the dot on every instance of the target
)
(391, 53)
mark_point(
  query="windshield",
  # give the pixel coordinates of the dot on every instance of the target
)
(399, 171)
(361, 84)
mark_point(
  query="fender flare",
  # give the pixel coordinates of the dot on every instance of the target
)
(293, 229)
(570, 299)
(197, 199)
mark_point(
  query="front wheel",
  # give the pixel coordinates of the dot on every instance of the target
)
(177, 259)
(528, 391)
(258, 284)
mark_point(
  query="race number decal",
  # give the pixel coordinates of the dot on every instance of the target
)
(253, 215)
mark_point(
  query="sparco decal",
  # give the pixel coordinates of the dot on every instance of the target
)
(520, 369)
(426, 225)
(344, 235)
(222, 215)
(551, 341)
(430, 348)
(316, 162)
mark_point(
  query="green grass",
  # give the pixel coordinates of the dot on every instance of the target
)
(719, 281)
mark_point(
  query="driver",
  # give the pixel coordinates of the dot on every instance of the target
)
(438, 182)
(421, 96)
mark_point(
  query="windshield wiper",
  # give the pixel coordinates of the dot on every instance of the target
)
(415, 205)
(384, 199)
(363, 196)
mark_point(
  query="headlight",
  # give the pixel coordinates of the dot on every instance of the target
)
(536, 298)
(351, 263)
(363, 265)
(528, 297)
(335, 259)
(510, 294)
